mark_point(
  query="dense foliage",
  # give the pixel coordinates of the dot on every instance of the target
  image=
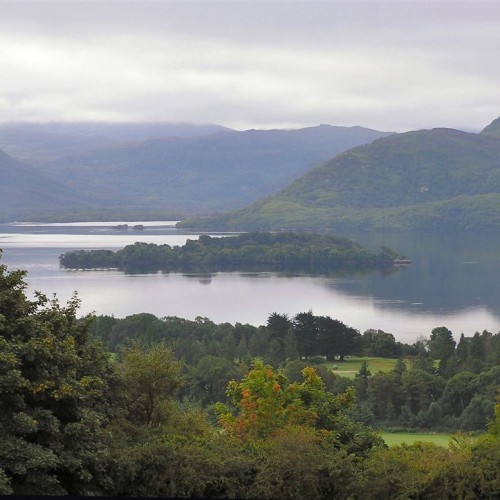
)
(76, 419)
(55, 394)
(435, 384)
(292, 252)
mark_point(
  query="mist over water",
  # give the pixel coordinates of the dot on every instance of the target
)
(452, 281)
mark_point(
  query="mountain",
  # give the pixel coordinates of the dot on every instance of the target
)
(39, 143)
(24, 191)
(203, 174)
(493, 128)
(428, 179)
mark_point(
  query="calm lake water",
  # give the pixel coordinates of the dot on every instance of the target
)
(453, 281)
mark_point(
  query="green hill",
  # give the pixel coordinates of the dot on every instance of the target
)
(428, 179)
(493, 128)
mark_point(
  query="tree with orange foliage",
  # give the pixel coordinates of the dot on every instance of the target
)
(265, 402)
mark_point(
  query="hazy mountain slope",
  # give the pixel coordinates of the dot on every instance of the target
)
(426, 179)
(39, 143)
(214, 172)
(38, 147)
(493, 128)
(24, 190)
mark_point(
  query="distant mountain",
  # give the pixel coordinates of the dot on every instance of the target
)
(428, 179)
(24, 190)
(39, 143)
(203, 174)
(493, 128)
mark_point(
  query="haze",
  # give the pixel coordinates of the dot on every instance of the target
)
(386, 65)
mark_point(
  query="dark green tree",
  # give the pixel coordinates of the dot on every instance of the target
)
(361, 380)
(379, 343)
(278, 325)
(441, 343)
(54, 388)
(306, 332)
(209, 379)
(330, 336)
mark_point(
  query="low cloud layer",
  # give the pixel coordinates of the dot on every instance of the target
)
(392, 66)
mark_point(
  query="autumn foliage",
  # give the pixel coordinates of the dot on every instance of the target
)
(264, 402)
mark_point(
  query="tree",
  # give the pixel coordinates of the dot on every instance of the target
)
(476, 353)
(494, 425)
(379, 343)
(54, 394)
(399, 368)
(335, 338)
(149, 377)
(306, 333)
(297, 463)
(209, 379)
(265, 402)
(420, 389)
(361, 379)
(425, 470)
(462, 350)
(441, 344)
(290, 349)
(384, 392)
(458, 392)
(278, 325)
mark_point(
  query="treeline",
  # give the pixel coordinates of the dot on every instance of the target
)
(77, 419)
(443, 388)
(278, 252)
(435, 384)
(304, 336)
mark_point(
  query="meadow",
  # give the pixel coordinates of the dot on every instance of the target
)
(395, 438)
(350, 366)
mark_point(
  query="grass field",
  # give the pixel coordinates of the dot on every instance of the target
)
(395, 438)
(350, 367)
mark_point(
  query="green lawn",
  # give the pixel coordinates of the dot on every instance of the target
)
(395, 438)
(350, 366)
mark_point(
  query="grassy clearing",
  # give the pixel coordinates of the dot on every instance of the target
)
(350, 367)
(395, 438)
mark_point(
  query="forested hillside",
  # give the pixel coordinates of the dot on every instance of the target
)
(428, 179)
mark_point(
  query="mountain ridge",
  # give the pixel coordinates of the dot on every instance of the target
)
(427, 179)
(220, 171)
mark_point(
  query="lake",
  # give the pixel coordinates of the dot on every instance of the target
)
(452, 281)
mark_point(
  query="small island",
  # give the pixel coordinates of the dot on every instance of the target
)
(247, 252)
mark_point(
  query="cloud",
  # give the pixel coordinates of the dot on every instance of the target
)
(396, 66)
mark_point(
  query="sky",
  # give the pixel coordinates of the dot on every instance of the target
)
(393, 66)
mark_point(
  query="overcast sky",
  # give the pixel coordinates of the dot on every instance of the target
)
(396, 65)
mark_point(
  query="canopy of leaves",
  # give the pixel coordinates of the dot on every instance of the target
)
(54, 394)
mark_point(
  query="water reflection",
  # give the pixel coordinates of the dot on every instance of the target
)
(453, 281)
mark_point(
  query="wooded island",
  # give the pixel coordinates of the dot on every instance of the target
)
(256, 251)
